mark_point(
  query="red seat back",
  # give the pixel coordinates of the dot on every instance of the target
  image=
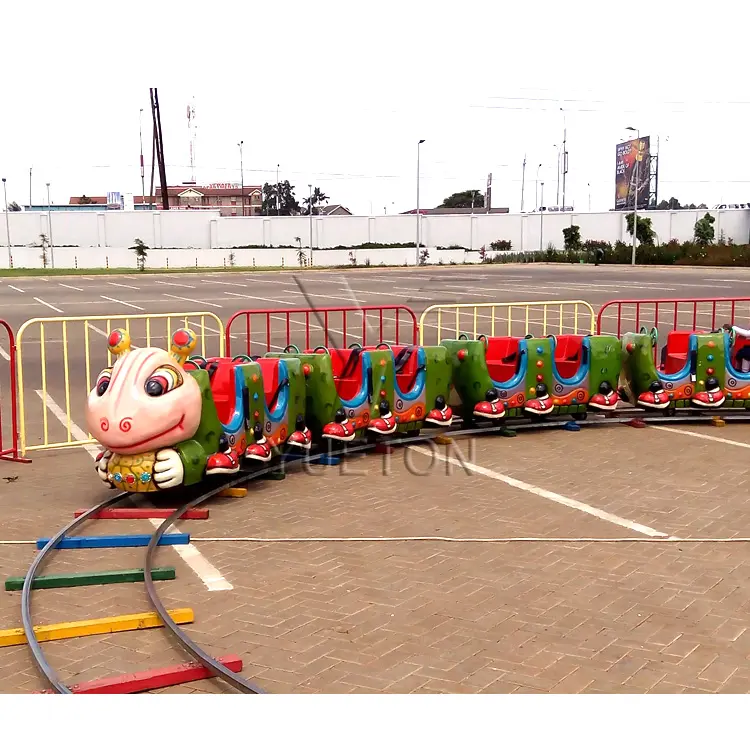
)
(678, 343)
(347, 372)
(502, 357)
(568, 355)
(221, 372)
(269, 369)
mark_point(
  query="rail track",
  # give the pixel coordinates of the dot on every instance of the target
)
(183, 640)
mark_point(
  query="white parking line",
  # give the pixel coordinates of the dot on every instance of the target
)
(52, 307)
(10, 286)
(97, 330)
(194, 301)
(264, 299)
(171, 283)
(546, 494)
(725, 441)
(125, 286)
(4, 354)
(119, 301)
(211, 577)
(68, 286)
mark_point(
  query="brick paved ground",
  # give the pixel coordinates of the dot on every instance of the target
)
(433, 616)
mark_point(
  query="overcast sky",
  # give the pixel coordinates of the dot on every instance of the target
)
(339, 93)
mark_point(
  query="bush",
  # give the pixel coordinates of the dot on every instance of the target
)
(572, 237)
(501, 246)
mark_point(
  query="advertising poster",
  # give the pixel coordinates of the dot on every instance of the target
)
(625, 173)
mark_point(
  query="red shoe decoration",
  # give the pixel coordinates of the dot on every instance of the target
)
(540, 405)
(606, 400)
(223, 463)
(654, 397)
(492, 408)
(712, 397)
(301, 437)
(441, 415)
(260, 450)
(386, 423)
(341, 429)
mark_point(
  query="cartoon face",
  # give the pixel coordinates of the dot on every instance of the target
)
(146, 401)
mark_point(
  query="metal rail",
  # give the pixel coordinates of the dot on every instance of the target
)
(183, 639)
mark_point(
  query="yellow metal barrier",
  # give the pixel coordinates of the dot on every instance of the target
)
(144, 330)
(499, 318)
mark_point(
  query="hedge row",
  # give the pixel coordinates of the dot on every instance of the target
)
(670, 254)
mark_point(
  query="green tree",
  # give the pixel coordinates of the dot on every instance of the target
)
(84, 200)
(43, 244)
(287, 202)
(671, 205)
(572, 237)
(463, 200)
(317, 199)
(13, 206)
(703, 231)
(140, 248)
(646, 233)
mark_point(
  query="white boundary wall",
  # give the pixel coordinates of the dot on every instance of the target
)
(184, 237)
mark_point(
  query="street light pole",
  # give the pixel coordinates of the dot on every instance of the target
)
(541, 220)
(564, 155)
(310, 209)
(536, 189)
(49, 226)
(143, 174)
(7, 225)
(30, 188)
(278, 205)
(418, 145)
(242, 179)
(635, 195)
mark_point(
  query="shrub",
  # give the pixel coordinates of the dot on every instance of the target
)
(572, 237)
(703, 231)
(499, 246)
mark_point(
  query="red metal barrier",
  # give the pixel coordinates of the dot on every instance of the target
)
(703, 313)
(9, 450)
(307, 327)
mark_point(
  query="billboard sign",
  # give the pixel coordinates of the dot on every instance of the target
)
(627, 154)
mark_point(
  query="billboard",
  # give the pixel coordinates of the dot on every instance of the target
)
(625, 161)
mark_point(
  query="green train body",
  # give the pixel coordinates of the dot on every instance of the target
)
(255, 408)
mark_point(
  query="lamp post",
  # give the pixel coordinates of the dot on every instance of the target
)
(7, 225)
(635, 198)
(30, 188)
(242, 178)
(589, 186)
(143, 174)
(278, 204)
(564, 156)
(49, 227)
(310, 209)
(541, 220)
(536, 189)
(418, 145)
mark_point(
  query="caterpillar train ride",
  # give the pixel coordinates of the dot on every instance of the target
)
(167, 418)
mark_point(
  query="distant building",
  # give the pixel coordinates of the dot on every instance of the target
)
(227, 198)
(475, 210)
(336, 209)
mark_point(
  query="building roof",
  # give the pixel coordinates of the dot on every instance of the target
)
(174, 192)
(475, 210)
(325, 210)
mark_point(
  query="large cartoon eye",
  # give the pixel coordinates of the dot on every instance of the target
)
(163, 380)
(102, 382)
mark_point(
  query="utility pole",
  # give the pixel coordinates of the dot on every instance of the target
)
(536, 188)
(564, 155)
(541, 220)
(418, 145)
(159, 138)
(29, 188)
(278, 203)
(7, 225)
(523, 181)
(310, 209)
(49, 227)
(557, 194)
(143, 174)
(242, 179)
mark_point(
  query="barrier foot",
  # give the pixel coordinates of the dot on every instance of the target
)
(443, 440)
(636, 423)
(572, 426)
(233, 492)
(718, 422)
(328, 461)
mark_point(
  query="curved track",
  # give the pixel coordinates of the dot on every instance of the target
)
(183, 640)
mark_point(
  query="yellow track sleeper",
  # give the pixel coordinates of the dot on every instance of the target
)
(60, 630)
